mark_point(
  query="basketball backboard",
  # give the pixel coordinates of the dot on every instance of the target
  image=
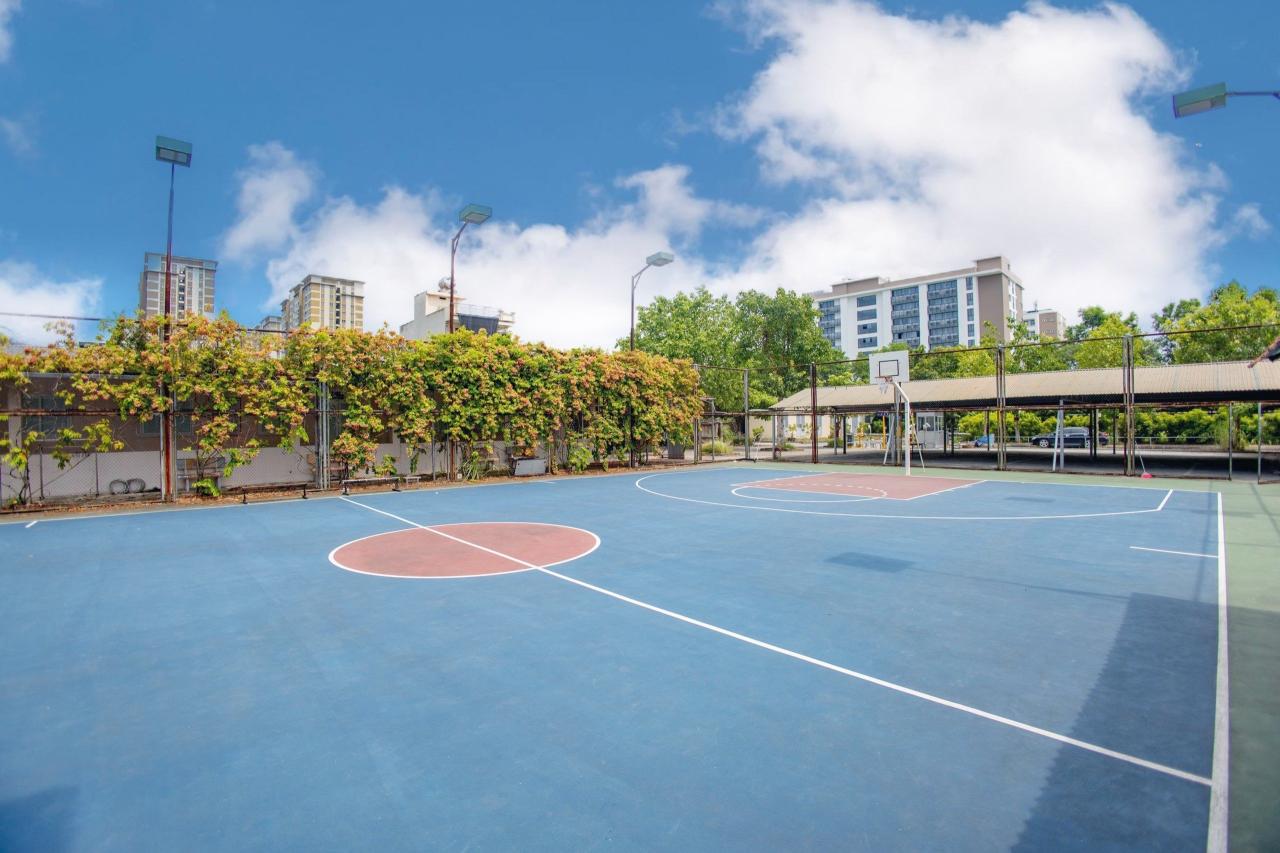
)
(888, 367)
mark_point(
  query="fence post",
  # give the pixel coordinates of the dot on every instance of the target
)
(813, 411)
(746, 413)
(166, 448)
(1001, 431)
(1130, 420)
(1259, 441)
(322, 435)
(1231, 440)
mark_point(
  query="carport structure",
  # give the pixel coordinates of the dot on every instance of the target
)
(1124, 388)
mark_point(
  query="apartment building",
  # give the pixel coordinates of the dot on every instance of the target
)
(324, 302)
(431, 315)
(1045, 323)
(944, 309)
(192, 282)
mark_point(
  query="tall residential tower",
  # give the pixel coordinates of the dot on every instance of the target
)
(192, 283)
(324, 302)
(945, 309)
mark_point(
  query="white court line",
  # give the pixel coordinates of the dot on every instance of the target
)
(837, 500)
(771, 479)
(1218, 800)
(32, 524)
(948, 489)
(760, 484)
(1179, 553)
(907, 517)
(1165, 501)
(870, 679)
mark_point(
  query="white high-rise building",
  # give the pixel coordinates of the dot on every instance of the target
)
(192, 283)
(946, 309)
(431, 315)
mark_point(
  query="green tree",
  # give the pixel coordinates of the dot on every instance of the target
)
(1167, 319)
(781, 332)
(1229, 305)
(1103, 346)
(699, 327)
(1028, 353)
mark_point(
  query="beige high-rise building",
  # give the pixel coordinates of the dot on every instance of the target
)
(192, 281)
(324, 302)
(1045, 322)
(938, 310)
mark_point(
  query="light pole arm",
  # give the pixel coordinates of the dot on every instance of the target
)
(1265, 94)
(635, 280)
(453, 255)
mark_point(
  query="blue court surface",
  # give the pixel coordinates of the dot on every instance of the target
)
(826, 665)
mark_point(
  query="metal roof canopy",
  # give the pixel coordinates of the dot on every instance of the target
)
(1172, 385)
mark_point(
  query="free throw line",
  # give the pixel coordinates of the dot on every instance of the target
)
(818, 662)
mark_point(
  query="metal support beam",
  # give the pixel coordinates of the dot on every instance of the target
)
(1130, 416)
(1231, 440)
(1259, 441)
(1001, 431)
(813, 409)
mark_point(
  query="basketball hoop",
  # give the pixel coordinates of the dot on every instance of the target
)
(887, 368)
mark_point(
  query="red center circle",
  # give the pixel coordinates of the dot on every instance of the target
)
(464, 550)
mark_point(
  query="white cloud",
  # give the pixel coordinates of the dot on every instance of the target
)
(567, 286)
(272, 187)
(8, 8)
(917, 146)
(19, 134)
(930, 143)
(23, 289)
(1249, 221)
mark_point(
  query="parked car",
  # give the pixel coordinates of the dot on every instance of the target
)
(1071, 437)
(987, 440)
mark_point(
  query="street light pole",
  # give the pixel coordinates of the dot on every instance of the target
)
(472, 213)
(176, 153)
(657, 259)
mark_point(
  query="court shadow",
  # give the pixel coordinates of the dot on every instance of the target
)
(38, 822)
(1154, 699)
(871, 562)
(1029, 500)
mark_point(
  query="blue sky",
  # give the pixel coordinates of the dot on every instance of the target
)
(339, 139)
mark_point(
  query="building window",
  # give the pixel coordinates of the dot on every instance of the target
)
(970, 312)
(970, 330)
(869, 314)
(863, 343)
(829, 320)
(869, 299)
(968, 298)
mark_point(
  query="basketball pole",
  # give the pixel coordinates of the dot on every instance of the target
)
(906, 426)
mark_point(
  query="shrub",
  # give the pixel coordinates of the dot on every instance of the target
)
(716, 448)
(579, 458)
(206, 488)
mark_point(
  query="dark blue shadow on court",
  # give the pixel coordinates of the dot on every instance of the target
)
(1176, 729)
(38, 822)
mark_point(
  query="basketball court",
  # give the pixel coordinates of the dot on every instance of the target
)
(721, 657)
